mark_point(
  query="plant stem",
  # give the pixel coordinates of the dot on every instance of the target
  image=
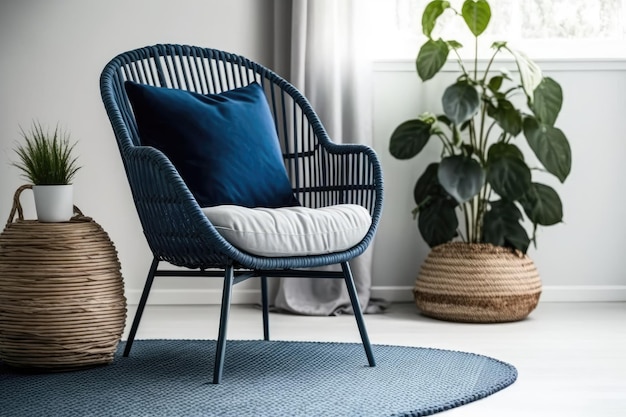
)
(472, 134)
(482, 143)
(475, 57)
(468, 230)
(477, 223)
(489, 65)
(484, 200)
(473, 218)
(460, 62)
(447, 144)
(477, 220)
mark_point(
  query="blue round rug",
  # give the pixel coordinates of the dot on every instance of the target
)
(277, 378)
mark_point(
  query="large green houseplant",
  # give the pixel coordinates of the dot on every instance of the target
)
(483, 176)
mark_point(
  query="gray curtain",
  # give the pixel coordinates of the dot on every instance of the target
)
(319, 47)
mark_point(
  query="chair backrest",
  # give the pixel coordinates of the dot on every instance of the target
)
(321, 172)
(316, 179)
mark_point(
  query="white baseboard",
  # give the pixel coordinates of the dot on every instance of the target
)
(551, 293)
(393, 294)
(584, 293)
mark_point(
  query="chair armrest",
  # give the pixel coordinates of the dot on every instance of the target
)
(339, 174)
(176, 229)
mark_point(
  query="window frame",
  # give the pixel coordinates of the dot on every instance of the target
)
(389, 44)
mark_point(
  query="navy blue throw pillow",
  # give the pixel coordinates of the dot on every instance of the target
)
(224, 145)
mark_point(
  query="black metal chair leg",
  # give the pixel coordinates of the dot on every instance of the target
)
(356, 307)
(266, 309)
(221, 338)
(141, 306)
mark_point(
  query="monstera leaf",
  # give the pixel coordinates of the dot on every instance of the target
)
(476, 15)
(427, 185)
(408, 139)
(507, 173)
(508, 117)
(551, 147)
(542, 205)
(548, 99)
(462, 177)
(530, 73)
(460, 102)
(433, 10)
(430, 58)
(502, 226)
(437, 222)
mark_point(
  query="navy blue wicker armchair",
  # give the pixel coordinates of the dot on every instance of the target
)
(154, 96)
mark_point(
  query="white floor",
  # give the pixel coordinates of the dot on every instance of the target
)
(571, 357)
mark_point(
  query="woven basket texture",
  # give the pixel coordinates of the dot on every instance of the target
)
(478, 283)
(62, 303)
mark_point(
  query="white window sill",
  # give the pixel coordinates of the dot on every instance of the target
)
(546, 64)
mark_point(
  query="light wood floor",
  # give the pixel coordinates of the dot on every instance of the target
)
(571, 357)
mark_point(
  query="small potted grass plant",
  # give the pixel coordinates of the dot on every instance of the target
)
(46, 160)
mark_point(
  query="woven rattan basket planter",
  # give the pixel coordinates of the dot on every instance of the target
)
(62, 303)
(478, 283)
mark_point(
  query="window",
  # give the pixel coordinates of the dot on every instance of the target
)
(541, 28)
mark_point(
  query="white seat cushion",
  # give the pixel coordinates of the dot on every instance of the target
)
(291, 231)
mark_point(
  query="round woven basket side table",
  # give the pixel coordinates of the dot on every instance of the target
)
(478, 283)
(62, 303)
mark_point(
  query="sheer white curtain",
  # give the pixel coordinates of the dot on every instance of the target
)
(320, 47)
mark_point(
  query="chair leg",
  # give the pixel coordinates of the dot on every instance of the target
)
(356, 307)
(221, 339)
(266, 309)
(141, 306)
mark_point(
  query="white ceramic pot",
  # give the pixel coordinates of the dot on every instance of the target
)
(54, 203)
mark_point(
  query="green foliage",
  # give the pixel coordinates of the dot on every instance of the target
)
(46, 159)
(482, 174)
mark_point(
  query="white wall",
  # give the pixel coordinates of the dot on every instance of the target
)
(52, 55)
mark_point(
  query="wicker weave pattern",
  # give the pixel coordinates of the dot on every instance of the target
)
(322, 173)
(62, 303)
(477, 283)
